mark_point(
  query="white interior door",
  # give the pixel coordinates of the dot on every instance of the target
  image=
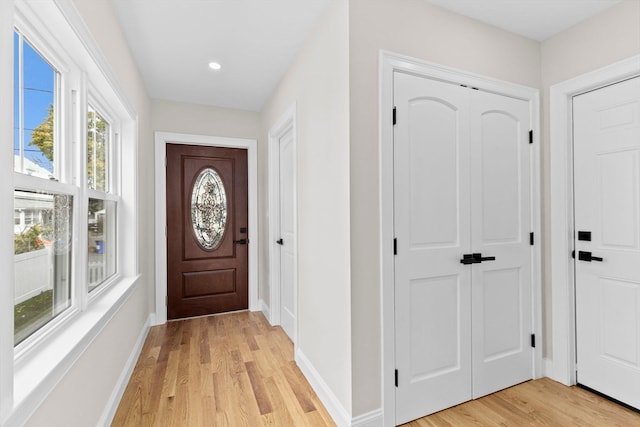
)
(287, 240)
(432, 224)
(500, 227)
(607, 225)
(461, 187)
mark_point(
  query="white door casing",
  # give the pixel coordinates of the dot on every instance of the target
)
(607, 205)
(462, 170)
(282, 308)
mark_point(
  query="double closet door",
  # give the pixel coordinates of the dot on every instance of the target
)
(462, 218)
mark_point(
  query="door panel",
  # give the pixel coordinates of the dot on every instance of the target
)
(607, 204)
(206, 277)
(433, 312)
(500, 226)
(288, 235)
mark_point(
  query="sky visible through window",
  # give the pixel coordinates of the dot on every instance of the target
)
(34, 96)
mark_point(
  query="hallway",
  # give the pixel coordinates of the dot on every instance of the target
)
(226, 370)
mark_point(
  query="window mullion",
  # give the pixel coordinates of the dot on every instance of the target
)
(80, 131)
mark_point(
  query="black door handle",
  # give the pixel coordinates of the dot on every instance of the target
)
(476, 258)
(587, 256)
(280, 242)
(241, 241)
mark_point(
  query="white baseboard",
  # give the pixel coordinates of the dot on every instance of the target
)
(264, 308)
(370, 419)
(123, 381)
(339, 414)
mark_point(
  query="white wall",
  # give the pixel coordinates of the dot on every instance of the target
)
(318, 83)
(421, 30)
(604, 39)
(80, 398)
(169, 116)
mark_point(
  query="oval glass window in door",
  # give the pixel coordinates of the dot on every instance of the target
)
(209, 209)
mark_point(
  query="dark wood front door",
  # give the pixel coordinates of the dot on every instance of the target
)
(207, 239)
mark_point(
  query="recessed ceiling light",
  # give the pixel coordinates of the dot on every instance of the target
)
(214, 65)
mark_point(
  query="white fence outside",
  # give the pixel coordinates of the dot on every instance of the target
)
(33, 274)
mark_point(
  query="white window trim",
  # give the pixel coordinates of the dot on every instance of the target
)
(161, 141)
(27, 380)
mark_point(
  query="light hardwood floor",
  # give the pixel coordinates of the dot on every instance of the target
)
(541, 402)
(237, 370)
(226, 370)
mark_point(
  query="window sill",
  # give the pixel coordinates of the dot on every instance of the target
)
(38, 372)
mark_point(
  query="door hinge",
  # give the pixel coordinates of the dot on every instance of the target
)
(395, 246)
(394, 115)
(531, 238)
(396, 378)
(166, 300)
(573, 254)
(530, 137)
(533, 340)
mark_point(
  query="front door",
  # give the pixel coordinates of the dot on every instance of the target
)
(607, 233)
(463, 263)
(207, 214)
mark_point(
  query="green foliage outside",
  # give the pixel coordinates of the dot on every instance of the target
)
(29, 240)
(97, 133)
(42, 135)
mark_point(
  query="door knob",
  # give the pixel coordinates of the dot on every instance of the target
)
(280, 242)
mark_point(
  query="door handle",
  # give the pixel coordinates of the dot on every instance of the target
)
(241, 242)
(587, 256)
(476, 258)
(280, 242)
(481, 258)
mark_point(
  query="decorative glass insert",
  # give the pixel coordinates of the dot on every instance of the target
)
(209, 209)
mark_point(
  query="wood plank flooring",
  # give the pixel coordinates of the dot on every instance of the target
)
(542, 402)
(236, 370)
(226, 370)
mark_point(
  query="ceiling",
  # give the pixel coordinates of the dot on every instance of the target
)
(534, 19)
(255, 41)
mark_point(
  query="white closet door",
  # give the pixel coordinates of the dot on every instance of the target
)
(431, 185)
(607, 205)
(500, 227)
(461, 187)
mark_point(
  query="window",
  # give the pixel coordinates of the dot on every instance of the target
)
(42, 262)
(64, 191)
(35, 88)
(43, 208)
(73, 143)
(102, 205)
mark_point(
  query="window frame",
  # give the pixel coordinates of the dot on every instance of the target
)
(56, 30)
